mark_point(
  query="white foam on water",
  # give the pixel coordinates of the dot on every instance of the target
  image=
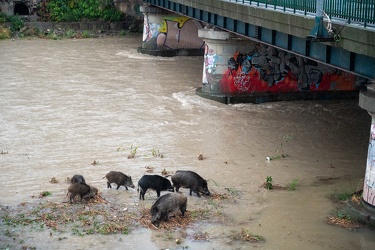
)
(133, 54)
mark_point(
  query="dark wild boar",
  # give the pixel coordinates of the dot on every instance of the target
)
(154, 182)
(120, 179)
(77, 178)
(166, 204)
(93, 192)
(192, 180)
(80, 189)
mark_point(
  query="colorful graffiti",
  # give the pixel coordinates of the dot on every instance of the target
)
(172, 32)
(150, 30)
(210, 62)
(369, 186)
(266, 69)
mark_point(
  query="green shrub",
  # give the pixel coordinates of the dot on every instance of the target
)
(70, 34)
(16, 23)
(76, 10)
(86, 34)
(4, 33)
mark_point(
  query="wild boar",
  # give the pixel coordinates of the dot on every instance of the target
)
(77, 178)
(166, 204)
(192, 180)
(120, 179)
(78, 188)
(93, 192)
(154, 182)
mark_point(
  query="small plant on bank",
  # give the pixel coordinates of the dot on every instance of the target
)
(268, 183)
(133, 152)
(86, 34)
(70, 33)
(45, 193)
(156, 153)
(292, 185)
(348, 189)
(4, 33)
(16, 23)
(343, 196)
(52, 35)
(279, 155)
(123, 33)
(2, 18)
(246, 235)
(233, 191)
(345, 220)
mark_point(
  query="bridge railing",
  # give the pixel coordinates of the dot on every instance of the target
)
(358, 11)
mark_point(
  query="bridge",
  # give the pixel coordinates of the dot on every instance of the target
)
(292, 25)
(264, 50)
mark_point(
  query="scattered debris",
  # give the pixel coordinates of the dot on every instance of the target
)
(201, 157)
(245, 235)
(95, 162)
(274, 186)
(278, 156)
(175, 221)
(149, 169)
(343, 222)
(54, 180)
(217, 196)
(3, 152)
(325, 179)
(201, 236)
(357, 197)
(165, 172)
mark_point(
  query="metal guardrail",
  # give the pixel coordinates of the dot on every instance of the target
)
(350, 11)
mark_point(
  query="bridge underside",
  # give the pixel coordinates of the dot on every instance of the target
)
(315, 49)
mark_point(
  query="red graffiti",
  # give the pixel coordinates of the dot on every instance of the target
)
(238, 80)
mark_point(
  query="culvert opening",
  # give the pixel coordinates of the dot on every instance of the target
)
(21, 9)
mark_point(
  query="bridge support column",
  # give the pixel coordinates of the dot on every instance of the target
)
(168, 34)
(152, 17)
(220, 46)
(367, 102)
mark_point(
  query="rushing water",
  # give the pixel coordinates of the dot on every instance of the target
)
(66, 103)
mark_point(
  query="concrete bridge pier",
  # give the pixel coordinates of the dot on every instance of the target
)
(367, 102)
(168, 34)
(220, 47)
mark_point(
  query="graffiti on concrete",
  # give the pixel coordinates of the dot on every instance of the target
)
(210, 59)
(150, 30)
(369, 187)
(267, 69)
(173, 32)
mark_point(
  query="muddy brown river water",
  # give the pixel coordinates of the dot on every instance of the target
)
(66, 103)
